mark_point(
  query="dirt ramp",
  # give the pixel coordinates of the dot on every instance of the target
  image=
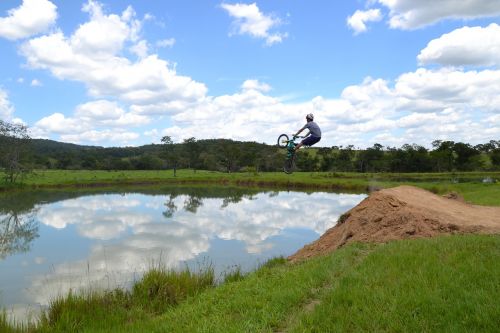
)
(403, 212)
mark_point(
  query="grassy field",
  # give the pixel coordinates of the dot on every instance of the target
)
(445, 284)
(470, 185)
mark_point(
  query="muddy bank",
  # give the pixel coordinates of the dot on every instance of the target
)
(400, 213)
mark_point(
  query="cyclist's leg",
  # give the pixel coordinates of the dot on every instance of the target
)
(309, 141)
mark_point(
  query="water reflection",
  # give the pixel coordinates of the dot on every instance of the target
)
(18, 229)
(109, 239)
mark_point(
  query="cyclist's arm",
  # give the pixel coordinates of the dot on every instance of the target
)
(300, 130)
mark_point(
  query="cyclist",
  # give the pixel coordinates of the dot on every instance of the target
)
(314, 134)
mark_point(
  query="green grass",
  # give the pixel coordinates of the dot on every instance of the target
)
(157, 291)
(444, 284)
(469, 184)
(448, 284)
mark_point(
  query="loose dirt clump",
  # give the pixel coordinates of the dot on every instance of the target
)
(400, 213)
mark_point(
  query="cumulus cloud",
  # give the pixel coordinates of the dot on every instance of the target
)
(417, 107)
(475, 46)
(95, 59)
(6, 108)
(255, 85)
(36, 83)
(358, 20)
(91, 123)
(411, 14)
(249, 20)
(166, 42)
(30, 18)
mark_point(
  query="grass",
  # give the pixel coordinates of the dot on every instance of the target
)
(468, 184)
(444, 284)
(448, 284)
(157, 291)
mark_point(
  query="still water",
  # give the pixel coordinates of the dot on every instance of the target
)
(53, 241)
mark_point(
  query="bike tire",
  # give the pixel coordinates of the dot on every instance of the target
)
(283, 140)
(289, 165)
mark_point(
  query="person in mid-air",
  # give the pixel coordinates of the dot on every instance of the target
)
(314, 134)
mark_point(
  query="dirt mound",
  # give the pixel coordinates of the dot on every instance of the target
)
(404, 212)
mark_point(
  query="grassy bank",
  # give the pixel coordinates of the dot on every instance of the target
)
(470, 185)
(445, 284)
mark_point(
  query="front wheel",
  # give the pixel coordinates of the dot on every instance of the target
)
(283, 140)
(289, 165)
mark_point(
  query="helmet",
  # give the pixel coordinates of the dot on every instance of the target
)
(310, 117)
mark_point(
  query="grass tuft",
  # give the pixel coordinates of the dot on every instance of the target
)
(161, 288)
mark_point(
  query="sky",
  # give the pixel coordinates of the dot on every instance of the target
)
(127, 73)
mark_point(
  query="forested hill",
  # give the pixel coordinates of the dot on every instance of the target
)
(227, 155)
(213, 154)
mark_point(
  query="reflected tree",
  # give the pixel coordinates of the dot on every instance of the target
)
(235, 198)
(171, 207)
(17, 231)
(192, 203)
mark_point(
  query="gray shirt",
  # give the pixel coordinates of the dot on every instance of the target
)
(313, 128)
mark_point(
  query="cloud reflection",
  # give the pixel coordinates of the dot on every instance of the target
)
(129, 233)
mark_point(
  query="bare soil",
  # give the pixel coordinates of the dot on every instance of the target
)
(401, 213)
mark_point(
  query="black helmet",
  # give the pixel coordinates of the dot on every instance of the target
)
(310, 117)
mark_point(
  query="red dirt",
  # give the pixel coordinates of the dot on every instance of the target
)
(400, 213)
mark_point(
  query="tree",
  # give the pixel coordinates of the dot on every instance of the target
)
(14, 150)
(370, 160)
(495, 157)
(192, 151)
(229, 155)
(345, 158)
(170, 152)
(442, 155)
(327, 159)
(465, 154)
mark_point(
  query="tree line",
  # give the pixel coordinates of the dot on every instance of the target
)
(19, 154)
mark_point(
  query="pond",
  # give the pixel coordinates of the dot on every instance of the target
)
(54, 241)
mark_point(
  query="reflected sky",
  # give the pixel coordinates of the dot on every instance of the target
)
(109, 240)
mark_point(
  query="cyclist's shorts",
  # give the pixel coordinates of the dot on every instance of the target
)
(310, 140)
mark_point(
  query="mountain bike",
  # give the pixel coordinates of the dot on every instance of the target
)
(285, 142)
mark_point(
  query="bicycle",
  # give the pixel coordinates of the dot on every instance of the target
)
(285, 142)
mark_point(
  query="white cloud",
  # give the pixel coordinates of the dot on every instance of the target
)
(465, 46)
(249, 20)
(6, 108)
(36, 83)
(121, 137)
(30, 18)
(255, 85)
(91, 123)
(417, 107)
(94, 58)
(358, 20)
(411, 14)
(58, 123)
(140, 49)
(166, 42)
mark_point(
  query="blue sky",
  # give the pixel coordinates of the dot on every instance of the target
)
(119, 73)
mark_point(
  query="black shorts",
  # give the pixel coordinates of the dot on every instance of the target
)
(310, 140)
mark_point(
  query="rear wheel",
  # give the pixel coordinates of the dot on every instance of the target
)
(283, 140)
(289, 165)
